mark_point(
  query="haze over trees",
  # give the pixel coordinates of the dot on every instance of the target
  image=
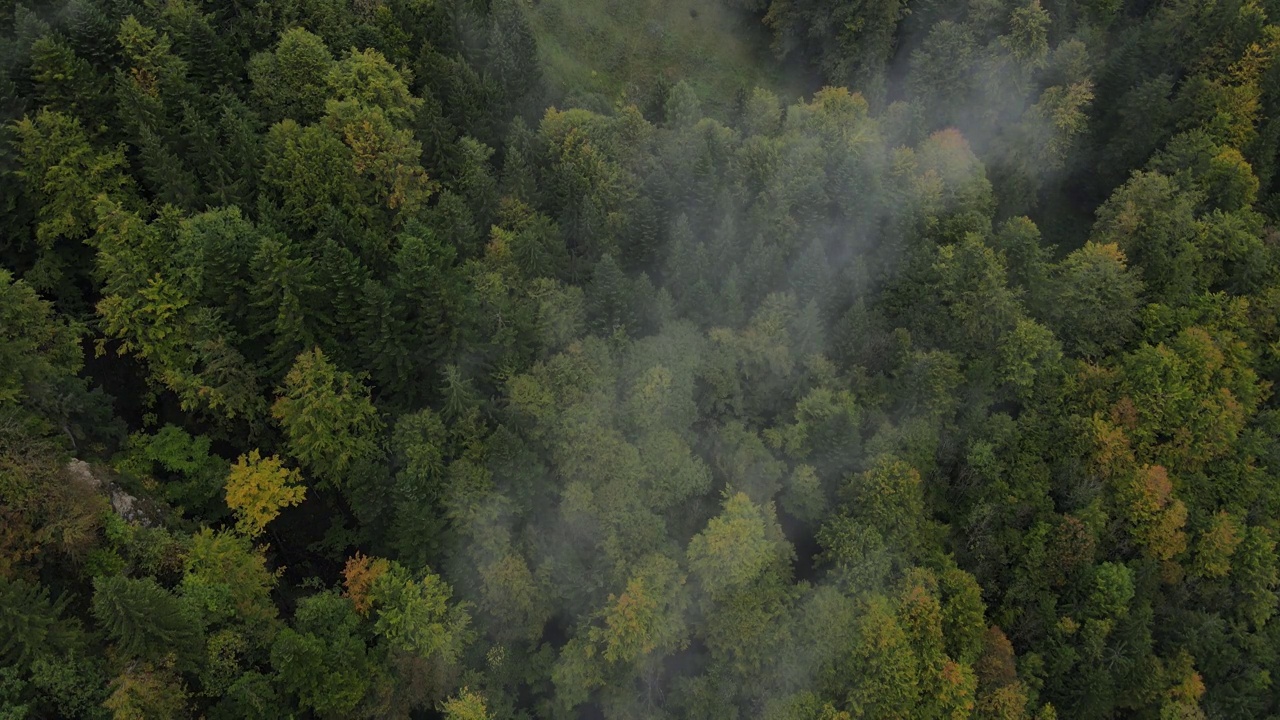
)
(783, 359)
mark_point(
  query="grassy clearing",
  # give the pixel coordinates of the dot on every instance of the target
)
(600, 53)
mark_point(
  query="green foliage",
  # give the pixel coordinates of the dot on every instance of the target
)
(38, 350)
(191, 476)
(146, 621)
(310, 171)
(856, 553)
(32, 624)
(252, 696)
(889, 498)
(986, 326)
(592, 53)
(147, 693)
(1112, 590)
(289, 81)
(326, 416)
(323, 660)
(1096, 300)
(735, 547)
(229, 579)
(854, 41)
(64, 176)
(415, 615)
(1258, 576)
(74, 685)
(368, 79)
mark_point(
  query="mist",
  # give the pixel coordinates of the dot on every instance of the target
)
(713, 359)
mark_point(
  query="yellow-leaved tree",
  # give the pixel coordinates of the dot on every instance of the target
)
(466, 705)
(259, 488)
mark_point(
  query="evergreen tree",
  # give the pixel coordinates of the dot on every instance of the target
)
(146, 621)
(32, 623)
(327, 416)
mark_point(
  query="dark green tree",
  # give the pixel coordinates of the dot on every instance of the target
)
(33, 625)
(146, 621)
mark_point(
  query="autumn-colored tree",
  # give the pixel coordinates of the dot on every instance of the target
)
(883, 669)
(1215, 546)
(148, 693)
(646, 617)
(466, 705)
(1157, 517)
(259, 488)
(359, 575)
(1000, 693)
(699, 404)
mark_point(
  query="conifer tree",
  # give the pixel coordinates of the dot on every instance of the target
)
(327, 416)
(32, 624)
(146, 621)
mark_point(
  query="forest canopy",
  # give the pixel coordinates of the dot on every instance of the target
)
(724, 359)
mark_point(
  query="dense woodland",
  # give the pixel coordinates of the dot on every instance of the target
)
(358, 362)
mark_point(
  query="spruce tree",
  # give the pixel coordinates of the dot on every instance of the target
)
(609, 305)
(145, 620)
(31, 624)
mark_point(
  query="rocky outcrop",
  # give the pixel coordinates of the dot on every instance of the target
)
(125, 505)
